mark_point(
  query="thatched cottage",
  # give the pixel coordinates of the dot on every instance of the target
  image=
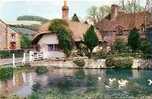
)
(47, 42)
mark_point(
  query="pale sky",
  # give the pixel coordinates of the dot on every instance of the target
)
(11, 9)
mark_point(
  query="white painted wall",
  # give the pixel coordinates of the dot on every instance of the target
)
(50, 39)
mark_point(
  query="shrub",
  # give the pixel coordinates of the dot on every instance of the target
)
(25, 41)
(63, 33)
(134, 40)
(119, 62)
(119, 45)
(90, 39)
(100, 55)
(41, 70)
(6, 73)
(8, 54)
(79, 62)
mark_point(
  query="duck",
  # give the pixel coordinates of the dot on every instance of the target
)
(122, 83)
(150, 82)
(112, 80)
(99, 78)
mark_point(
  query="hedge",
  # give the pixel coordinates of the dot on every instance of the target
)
(9, 53)
(119, 62)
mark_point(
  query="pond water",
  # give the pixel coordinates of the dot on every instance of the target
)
(110, 82)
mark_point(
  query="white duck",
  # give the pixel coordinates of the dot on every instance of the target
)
(150, 82)
(122, 83)
(111, 80)
(99, 78)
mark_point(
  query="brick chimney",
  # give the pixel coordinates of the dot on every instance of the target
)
(114, 11)
(65, 11)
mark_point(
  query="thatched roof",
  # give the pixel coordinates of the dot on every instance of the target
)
(77, 29)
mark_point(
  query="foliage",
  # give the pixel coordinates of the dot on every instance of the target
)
(6, 73)
(134, 40)
(35, 95)
(119, 45)
(25, 41)
(119, 62)
(131, 7)
(100, 55)
(79, 62)
(146, 48)
(41, 70)
(65, 39)
(8, 54)
(32, 18)
(56, 24)
(83, 50)
(90, 39)
(75, 18)
(96, 14)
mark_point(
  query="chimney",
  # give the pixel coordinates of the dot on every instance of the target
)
(65, 11)
(114, 11)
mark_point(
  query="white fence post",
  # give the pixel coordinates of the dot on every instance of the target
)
(14, 66)
(30, 56)
(24, 58)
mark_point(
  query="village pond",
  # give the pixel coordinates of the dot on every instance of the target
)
(68, 83)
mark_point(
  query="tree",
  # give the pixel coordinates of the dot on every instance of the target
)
(119, 45)
(134, 40)
(146, 48)
(25, 41)
(90, 39)
(56, 24)
(96, 14)
(131, 7)
(63, 33)
(75, 18)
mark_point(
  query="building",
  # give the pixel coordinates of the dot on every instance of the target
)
(118, 24)
(47, 42)
(9, 39)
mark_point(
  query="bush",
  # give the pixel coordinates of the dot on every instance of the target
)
(63, 33)
(119, 62)
(134, 40)
(100, 55)
(79, 62)
(41, 70)
(120, 46)
(6, 73)
(9, 54)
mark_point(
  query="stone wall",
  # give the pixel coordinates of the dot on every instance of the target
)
(142, 64)
(89, 64)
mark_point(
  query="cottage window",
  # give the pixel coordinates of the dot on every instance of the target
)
(12, 45)
(53, 47)
(13, 36)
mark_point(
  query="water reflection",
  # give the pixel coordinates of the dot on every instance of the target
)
(108, 82)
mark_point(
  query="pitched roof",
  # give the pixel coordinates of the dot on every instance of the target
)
(77, 29)
(10, 30)
(126, 20)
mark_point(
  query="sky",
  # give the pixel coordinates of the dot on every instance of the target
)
(11, 9)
